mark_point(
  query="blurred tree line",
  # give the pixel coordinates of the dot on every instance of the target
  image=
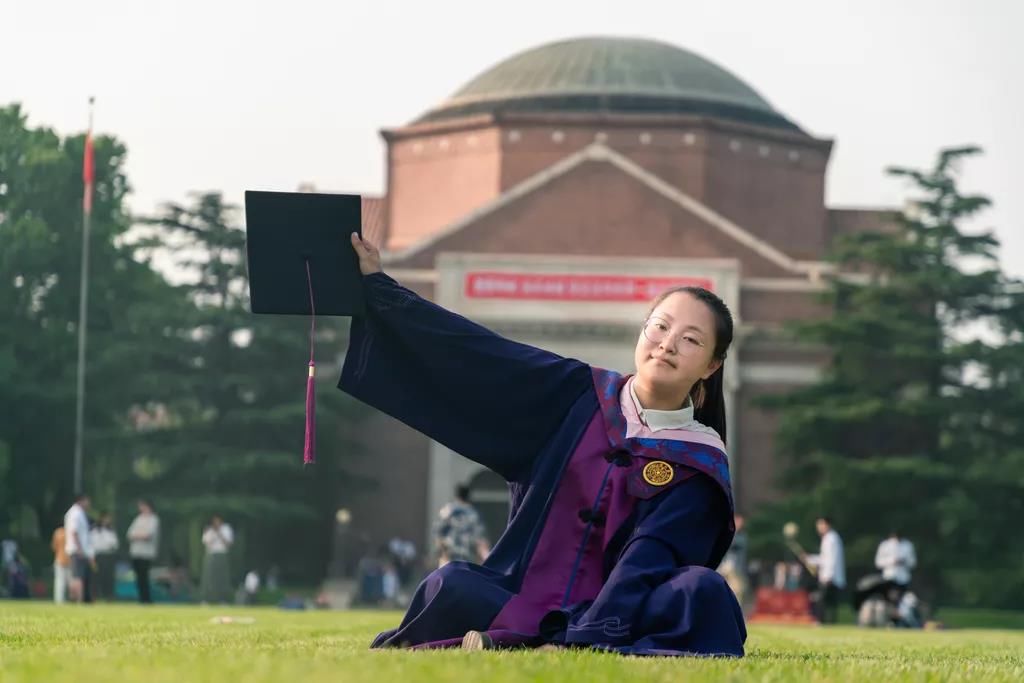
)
(191, 401)
(918, 422)
(197, 405)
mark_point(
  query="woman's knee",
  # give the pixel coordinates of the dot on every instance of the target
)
(702, 579)
(453, 581)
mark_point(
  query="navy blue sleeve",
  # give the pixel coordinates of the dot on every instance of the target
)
(681, 529)
(689, 520)
(490, 399)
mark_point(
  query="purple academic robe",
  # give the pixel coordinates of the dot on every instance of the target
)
(594, 555)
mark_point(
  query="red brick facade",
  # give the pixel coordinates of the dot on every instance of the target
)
(617, 185)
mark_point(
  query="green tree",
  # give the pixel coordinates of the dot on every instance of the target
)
(916, 423)
(235, 447)
(132, 325)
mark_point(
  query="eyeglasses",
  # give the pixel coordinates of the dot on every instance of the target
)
(656, 331)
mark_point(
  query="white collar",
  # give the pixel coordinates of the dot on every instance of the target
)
(663, 419)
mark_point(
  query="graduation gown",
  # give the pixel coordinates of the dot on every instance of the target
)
(614, 532)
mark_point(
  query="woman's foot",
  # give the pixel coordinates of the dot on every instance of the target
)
(477, 640)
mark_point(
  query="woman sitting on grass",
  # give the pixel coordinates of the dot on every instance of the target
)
(621, 505)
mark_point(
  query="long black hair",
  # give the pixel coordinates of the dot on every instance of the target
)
(708, 395)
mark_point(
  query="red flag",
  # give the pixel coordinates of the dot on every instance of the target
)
(88, 173)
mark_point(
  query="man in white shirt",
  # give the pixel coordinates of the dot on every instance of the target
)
(831, 570)
(78, 546)
(143, 540)
(896, 559)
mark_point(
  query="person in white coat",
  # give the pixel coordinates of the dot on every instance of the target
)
(896, 559)
(830, 565)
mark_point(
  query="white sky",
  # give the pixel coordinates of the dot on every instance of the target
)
(235, 95)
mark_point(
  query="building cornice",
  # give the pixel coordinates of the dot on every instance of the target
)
(606, 120)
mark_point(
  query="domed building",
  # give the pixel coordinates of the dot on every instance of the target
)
(554, 194)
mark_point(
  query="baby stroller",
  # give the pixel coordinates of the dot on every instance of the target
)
(880, 603)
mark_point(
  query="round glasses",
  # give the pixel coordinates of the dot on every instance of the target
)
(657, 330)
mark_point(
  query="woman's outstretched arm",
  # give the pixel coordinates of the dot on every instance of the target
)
(486, 397)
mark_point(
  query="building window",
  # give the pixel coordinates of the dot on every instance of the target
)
(735, 145)
(514, 136)
(645, 138)
(557, 136)
(601, 136)
(764, 150)
(794, 155)
(689, 139)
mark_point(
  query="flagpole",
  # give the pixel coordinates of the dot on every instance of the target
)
(83, 299)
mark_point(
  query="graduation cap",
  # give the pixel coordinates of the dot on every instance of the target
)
(301, 262)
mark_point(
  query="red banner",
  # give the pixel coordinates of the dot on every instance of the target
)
(559, 287)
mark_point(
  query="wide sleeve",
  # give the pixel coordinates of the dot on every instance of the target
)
(490, 399)
(682, 530)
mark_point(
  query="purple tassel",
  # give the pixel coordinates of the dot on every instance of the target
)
(309, 452)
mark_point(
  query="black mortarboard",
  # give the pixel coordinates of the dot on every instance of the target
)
(287, 230)
(301, 262)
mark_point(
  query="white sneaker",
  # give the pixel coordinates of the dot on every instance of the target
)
(477, 640)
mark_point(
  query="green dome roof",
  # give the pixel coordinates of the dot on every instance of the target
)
(623, 75)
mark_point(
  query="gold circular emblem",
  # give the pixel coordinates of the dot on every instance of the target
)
(658, 473)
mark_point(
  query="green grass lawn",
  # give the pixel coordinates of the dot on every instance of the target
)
(43, 642)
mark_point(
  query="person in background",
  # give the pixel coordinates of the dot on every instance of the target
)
(14, 572)
(216, 581)
(831, 569)
(8, 551)
(143, 539)
(403, 554)
(250, 588)
(390, 583)
(273, 577)
(896, 558)
(734, 564)
(458, 532)
(104, 544)
(78, 546)
(61, 566)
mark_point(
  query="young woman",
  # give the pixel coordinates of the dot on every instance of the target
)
(621, 505)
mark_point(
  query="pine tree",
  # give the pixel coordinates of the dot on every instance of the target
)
(236, 446)
(915, 425)
(134, 316)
